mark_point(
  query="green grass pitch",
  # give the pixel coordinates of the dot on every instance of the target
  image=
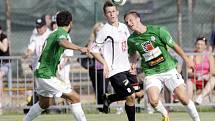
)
(174, 116)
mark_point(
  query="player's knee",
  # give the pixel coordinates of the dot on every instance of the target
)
(131, 98)
(154, 102)
(74, 99)
(44, 105)
(184, 100)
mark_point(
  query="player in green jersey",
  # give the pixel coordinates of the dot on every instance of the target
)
(159, 66)
(47, 84)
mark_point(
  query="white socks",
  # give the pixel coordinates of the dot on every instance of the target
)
(34, 111)
(160, 108)
(191, 109)
(78, 112)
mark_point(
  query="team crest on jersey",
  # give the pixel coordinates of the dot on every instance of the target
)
(147, 46)
(153, 38)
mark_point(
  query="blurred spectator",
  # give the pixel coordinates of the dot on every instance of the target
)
(36, 42)
(5, 67)
(34, 50)
(48, 20)
(100, 84)
(203, 69)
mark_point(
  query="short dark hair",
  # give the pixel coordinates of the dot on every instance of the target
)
(63, 18)
(134, 13)
(108, 4)
(202, 38)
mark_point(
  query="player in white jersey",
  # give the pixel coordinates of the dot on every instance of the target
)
(112, 41)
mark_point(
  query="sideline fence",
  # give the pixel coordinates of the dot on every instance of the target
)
(18, 87)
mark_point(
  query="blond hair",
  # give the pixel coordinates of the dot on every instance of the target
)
(94, 31)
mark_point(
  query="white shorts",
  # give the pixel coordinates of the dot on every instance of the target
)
(52, 87)
(171, 79)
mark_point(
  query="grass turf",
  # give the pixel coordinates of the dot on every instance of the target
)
(174, 116)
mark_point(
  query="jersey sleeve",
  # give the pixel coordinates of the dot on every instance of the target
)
(166, 37)
(131, 47)
(62, 36)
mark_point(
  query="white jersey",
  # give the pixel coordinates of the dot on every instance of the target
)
(111, 42)
(36, 45)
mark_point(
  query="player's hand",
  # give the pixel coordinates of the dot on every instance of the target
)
(190, 65)
(105, 70)
(84, 50)
(25, 56)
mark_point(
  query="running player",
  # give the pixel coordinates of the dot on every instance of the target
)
(48, 85)
(159, 66)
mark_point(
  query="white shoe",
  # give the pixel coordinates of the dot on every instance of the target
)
(199, 100)
(149, 109)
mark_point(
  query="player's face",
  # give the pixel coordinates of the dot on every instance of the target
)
(111, 14)
(132, 22)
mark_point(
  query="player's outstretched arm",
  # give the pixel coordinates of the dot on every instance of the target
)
(68, 45)
(183, 55)
(99, 58)
(134, 58)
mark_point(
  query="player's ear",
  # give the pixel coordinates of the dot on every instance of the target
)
(71, 24)
(117, 12)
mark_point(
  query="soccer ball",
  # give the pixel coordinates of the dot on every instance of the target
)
(119, 2)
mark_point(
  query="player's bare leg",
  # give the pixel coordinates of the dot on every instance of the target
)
(37, 108)
(76, 108)
(153, 96)
(130, 107)
(182, 96)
